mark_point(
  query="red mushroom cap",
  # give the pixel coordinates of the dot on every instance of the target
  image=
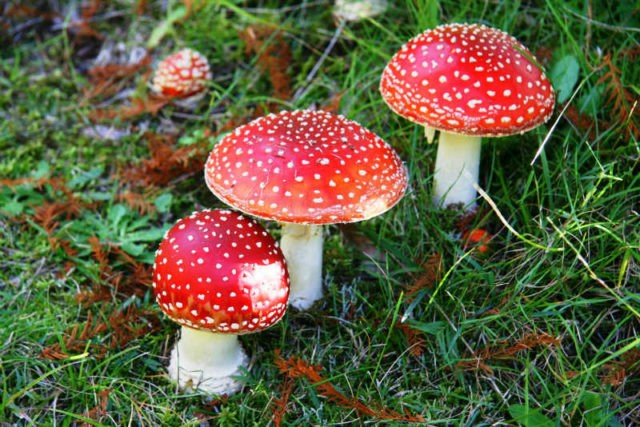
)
(182, 74)
(220, 271)
(308, 167)
(468, 79)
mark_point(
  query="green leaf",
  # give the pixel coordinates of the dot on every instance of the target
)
(135, 224)
(564, 76)
(163, 202)
(132, 248)
(158, 34)
(84, 177)
(590, 102)
(529, 417)
(592, 403)
(41, 170)
(191, 139)
(430, 328)
(116, 213)
(148, 257)
(595, 412)
(98, 196)
(13, 208)
(165, 27)
(146, 235)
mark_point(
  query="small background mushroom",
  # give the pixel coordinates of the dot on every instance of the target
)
(182, 76)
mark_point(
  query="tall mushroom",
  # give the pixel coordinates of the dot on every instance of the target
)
(306, 169)
(218, 274)
(182, 76)
(467, 81)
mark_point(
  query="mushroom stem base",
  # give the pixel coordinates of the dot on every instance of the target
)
(456, 170)
(302, 249)
(207, 361)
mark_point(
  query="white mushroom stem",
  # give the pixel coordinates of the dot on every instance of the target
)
(358, 10)
(429, 133)
(456, 170)
(207, 361)
(302, 249)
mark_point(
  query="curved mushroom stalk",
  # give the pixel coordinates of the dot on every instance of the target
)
(207, 361)
(456, 170)
(302, 249)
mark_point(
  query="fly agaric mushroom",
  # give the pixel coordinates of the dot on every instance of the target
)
(218, 274)
(306, 169)
(468, 81)
(182, 76)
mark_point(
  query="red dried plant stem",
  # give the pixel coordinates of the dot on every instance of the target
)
(279, 406)
(274, 56)
(295, 367)
(479, 359)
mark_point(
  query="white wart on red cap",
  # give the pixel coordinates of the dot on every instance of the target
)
(468, 79)
(182, 74)
(221, 271)
(308, 167)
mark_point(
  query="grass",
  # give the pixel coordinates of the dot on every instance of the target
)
(542, 330)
